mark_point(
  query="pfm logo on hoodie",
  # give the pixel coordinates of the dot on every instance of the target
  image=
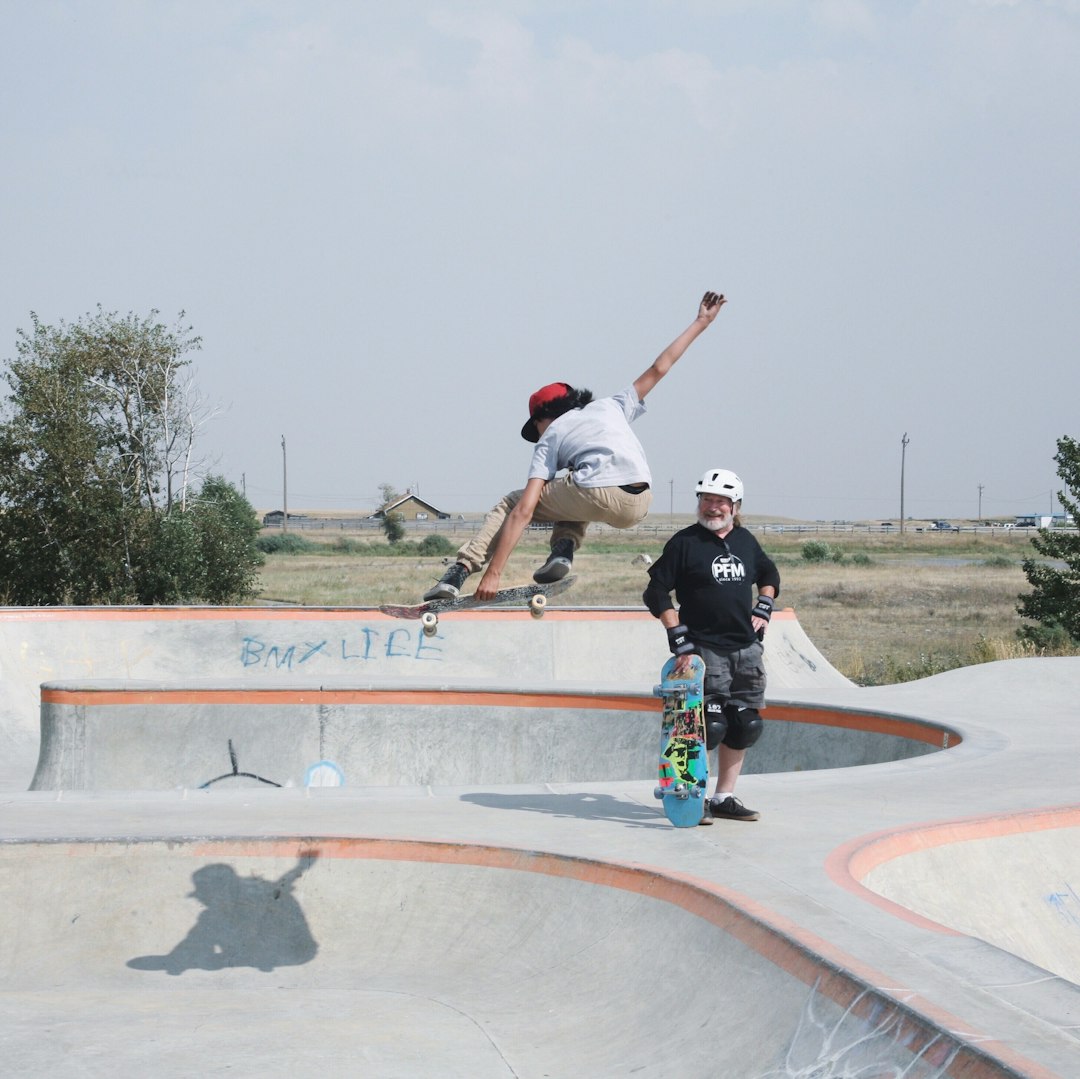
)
(728, 569)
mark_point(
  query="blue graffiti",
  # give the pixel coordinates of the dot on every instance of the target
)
(324, 774)
(1066, 904)
(369, 644)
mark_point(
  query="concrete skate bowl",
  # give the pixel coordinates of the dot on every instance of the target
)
(276, 646)
(323, 956)
(105, 735)
(1010, 880)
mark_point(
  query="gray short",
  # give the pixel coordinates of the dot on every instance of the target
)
(738, 677)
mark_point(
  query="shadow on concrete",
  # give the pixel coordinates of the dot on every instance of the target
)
(582, 806)
(248, 922)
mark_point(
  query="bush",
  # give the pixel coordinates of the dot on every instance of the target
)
(346, 545)
(1048, 639)
(819, 551)
(283, 543)
(172, 570)
(435, 545)
(815, 551)
(394, 528)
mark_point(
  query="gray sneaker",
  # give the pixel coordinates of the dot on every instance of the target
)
(449, 587)
(706, 814)
(732, 808)
(558, 564)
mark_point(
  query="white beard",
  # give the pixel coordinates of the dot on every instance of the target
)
(716, 524)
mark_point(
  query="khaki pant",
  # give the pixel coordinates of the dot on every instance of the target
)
(568, 507)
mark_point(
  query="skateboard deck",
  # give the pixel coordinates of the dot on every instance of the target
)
(532, 595)
(684, 759)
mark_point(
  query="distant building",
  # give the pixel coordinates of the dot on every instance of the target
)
(413, 508)
(276, 518)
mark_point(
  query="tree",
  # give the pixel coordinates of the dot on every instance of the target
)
(206, 553)
(388, 493)
(96, 456)
(1054, 601)
(393, 527)
(392, 522)
(228, 528)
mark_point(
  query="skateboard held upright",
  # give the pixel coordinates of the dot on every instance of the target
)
(684, 759)
(533, 595)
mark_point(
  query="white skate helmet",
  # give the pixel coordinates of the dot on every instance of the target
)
(719, 481)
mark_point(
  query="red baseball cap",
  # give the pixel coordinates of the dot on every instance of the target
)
(554, 391)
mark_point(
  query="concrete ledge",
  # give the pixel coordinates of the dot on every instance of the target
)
(273, 646)
(119, 735)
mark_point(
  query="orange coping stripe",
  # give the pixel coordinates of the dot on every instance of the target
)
(472, 698)
(779, 941)
(90, 697)
(876, 723)
(850, 864)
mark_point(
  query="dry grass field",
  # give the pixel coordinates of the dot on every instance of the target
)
(881, 607)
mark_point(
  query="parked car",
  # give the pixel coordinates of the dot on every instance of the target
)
(943, 526)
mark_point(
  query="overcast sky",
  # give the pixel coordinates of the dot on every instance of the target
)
(391, 222)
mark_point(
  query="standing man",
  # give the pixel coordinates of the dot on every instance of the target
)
(712, 567)
(606, 476)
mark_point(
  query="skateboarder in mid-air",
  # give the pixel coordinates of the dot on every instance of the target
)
(712, 567)
(608, 478)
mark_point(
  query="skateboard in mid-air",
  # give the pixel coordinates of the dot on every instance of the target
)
(684, 759)
(532, 595)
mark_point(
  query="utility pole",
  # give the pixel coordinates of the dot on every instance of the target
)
(671, 498)
(903, 453)
(284, 488)
(980, 502)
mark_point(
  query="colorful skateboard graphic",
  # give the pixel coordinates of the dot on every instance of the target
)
(684, 760)
(534, 595)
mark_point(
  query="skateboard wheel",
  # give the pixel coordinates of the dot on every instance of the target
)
(658, 793)
(430, 623)
(537, 605)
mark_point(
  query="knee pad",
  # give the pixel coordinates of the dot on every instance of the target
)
(744, 726)
(715, 721)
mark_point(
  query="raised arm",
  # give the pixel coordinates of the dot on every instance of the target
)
(710, 307)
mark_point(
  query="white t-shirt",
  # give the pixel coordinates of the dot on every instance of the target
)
(595, 443)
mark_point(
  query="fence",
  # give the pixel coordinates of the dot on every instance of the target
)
(662, 525)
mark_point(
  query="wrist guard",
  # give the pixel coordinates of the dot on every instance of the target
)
(763, 608)
(678, 639)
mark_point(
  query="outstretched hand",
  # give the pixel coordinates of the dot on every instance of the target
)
(710, 305)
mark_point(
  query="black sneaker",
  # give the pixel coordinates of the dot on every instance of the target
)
(558, 564)
(449, 587)
(732, 808)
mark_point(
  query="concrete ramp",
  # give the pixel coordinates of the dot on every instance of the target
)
(101, 735)
(275, 647)
(393, 958)
(1013, 881)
